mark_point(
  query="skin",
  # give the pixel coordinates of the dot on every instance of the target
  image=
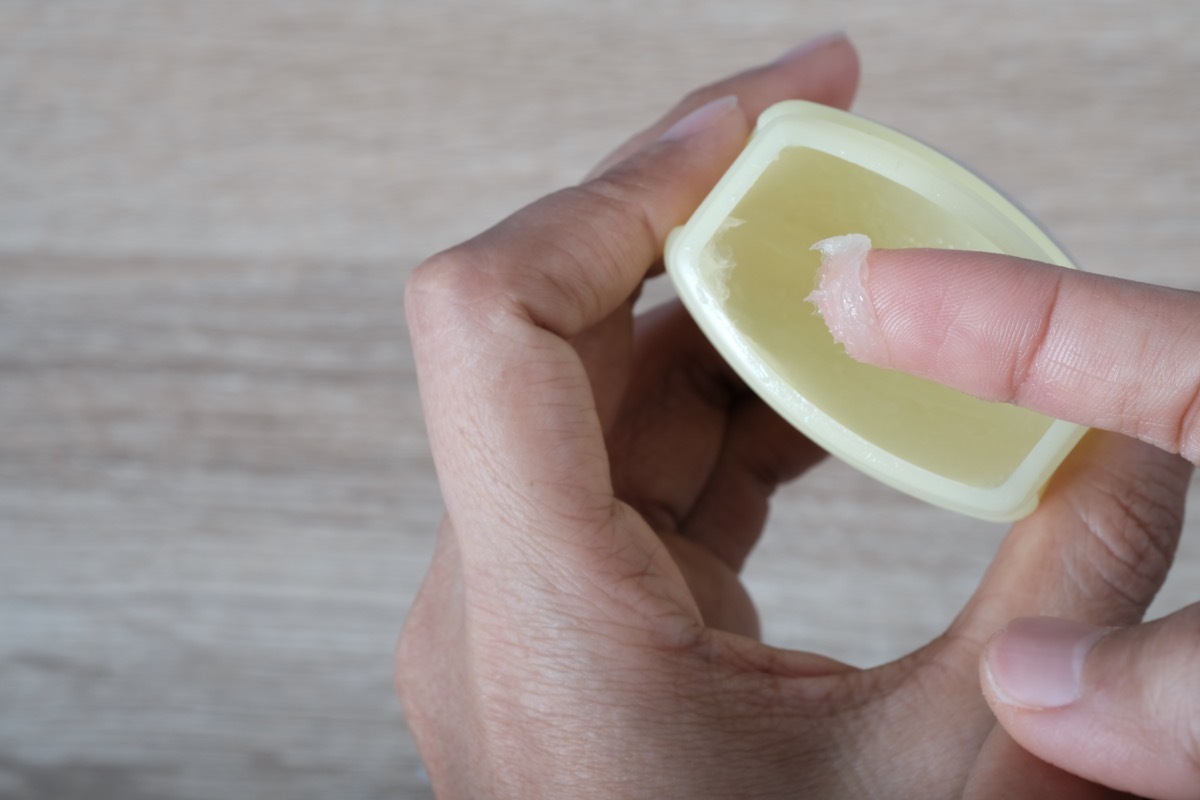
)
(582, 631)
(1109, 353)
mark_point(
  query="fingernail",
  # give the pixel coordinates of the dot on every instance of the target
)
(1038, 662)
(700, 119)
(811, 46)
(842, 299)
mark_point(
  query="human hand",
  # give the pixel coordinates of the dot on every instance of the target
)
(1118, 705)
(582, 631)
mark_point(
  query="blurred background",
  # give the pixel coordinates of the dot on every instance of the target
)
(216, 500)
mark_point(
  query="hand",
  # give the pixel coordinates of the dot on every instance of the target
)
(582, 631)
(1117, 705)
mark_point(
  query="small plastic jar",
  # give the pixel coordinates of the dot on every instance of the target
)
(743, 266)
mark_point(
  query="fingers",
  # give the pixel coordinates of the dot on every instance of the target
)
(823, 70)
(512, 418)
(508, 404)
(671, 424)
(1100, 351)
(1118, 707)
(694, 450)
(760, 452)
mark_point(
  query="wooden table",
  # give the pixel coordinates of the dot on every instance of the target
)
(216, 499)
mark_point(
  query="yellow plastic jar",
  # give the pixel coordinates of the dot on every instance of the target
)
(743, 266)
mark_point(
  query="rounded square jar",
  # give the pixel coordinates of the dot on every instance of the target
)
(743, 267)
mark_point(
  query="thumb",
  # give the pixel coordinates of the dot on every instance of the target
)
(1117, 706)
(1100, 351)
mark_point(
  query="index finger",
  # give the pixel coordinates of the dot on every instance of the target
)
(1100, 351)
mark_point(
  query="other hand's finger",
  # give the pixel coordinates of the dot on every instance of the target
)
(1121, 707)
(511, 417)
(694, 450)
(1100, 351)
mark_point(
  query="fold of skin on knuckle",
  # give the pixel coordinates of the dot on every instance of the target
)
(1182, 373)
(1029, 353)
(468, 292)
(1133, 524)
(1051, 357)
(1189, 427)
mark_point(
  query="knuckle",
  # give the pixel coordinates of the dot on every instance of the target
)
(609, 230)
(452, 280)
(550, 264)
(1134, 526)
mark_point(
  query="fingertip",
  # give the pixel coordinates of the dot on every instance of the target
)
(827, 66)
(1113, 705)
(823, 70)
(843, 299)
(804, 50)
(1037, 662)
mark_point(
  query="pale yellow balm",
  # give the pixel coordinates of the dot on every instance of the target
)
(743, 266)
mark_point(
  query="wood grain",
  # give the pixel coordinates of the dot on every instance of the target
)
(215, 496)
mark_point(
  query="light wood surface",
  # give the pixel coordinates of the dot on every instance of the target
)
(216, 500)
